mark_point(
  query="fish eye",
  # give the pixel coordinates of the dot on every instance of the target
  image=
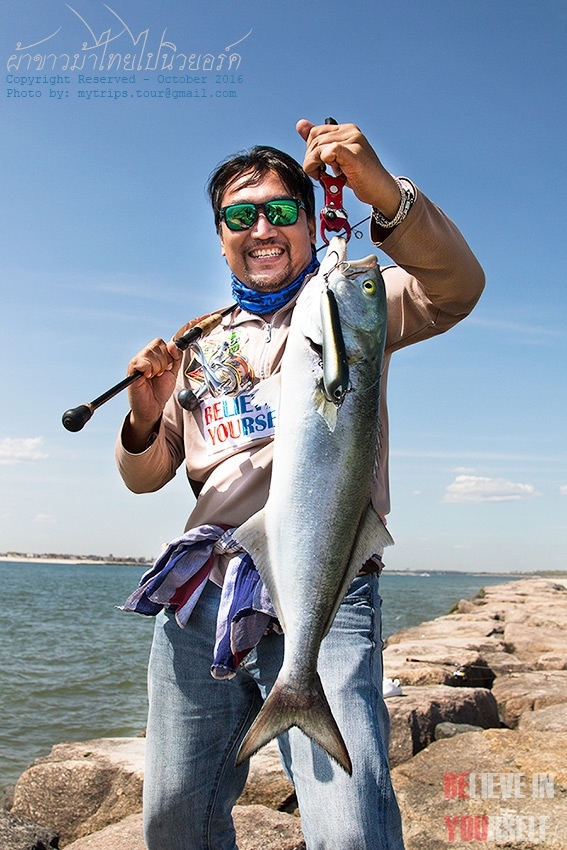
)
(369, 286)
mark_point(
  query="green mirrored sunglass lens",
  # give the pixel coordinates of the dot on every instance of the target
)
(240, 215)
(281, 213)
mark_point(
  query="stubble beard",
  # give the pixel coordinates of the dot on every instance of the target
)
(263, 283)
(269, 281)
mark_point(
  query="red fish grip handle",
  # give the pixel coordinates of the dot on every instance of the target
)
(333, 216)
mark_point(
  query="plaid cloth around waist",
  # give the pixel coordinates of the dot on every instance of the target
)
(178, 578)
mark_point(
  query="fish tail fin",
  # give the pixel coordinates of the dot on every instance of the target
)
(285, 708)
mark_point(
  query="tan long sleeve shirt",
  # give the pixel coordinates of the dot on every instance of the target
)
(226, 446)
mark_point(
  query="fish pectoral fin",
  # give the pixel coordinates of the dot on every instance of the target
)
(285, 708)
(327, 410)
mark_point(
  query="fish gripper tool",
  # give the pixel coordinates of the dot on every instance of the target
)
(333, 215)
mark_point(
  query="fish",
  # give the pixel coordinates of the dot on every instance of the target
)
(318, 526)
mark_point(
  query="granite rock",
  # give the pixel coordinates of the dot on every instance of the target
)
(515, 632)
(550, 719)
(260, 828)
(449, 730)
(127, 834)
(415, 715)
(509, 628)
(257, 828)
(497, 788)
(524, 692)
(18, 833)
(81, 787)
(267, 783)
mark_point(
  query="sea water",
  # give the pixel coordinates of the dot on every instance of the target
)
(73, 667)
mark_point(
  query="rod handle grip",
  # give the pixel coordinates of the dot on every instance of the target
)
(77, 417)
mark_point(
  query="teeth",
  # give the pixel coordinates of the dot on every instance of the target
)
(266, 252)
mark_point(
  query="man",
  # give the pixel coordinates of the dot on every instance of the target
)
(196, 722)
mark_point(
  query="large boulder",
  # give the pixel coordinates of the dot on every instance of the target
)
(459, 649)
(550, 719)
(432, 661)
(533, 614)
(257, 828)
(90, 793)
(260, 828)
(127, 834)
(80, 788)
(17, 833)
(497, 788)
(530, 691)
(415, 714)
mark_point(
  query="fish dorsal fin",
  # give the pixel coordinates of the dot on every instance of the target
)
(371, 538)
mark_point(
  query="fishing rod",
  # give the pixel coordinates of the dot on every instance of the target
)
(77, 417)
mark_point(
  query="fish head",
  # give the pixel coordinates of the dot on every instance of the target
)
(359, 291)
(357, 286)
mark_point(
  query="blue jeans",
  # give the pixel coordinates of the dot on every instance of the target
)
(196, 724)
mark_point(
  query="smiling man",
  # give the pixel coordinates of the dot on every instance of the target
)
(263, 204)
(264, 256)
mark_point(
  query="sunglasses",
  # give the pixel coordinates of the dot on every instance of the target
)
(280, 212)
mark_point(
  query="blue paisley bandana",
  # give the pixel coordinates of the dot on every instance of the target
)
(254, 301)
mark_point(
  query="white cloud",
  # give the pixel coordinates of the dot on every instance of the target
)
(21, 450)
(44, 518)
(563, 489)
(476, 488)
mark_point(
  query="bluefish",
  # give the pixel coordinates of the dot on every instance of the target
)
(318, 527)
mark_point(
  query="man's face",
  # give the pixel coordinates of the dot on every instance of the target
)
(265, 257)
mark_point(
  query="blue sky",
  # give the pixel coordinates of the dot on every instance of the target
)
(107, 241)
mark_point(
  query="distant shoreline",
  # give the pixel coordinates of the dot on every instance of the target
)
(37, 559)
(132, 562)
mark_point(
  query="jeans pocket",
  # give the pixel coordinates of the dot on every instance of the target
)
(363, 590)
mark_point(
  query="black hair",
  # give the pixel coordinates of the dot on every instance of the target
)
(258, 161)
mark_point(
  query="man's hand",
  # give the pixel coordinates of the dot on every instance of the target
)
(159, 363)
(347, 151)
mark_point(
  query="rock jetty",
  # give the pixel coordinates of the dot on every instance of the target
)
(478, 745)
(502, 787)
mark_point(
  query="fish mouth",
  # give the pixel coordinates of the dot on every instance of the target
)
(352, 268)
